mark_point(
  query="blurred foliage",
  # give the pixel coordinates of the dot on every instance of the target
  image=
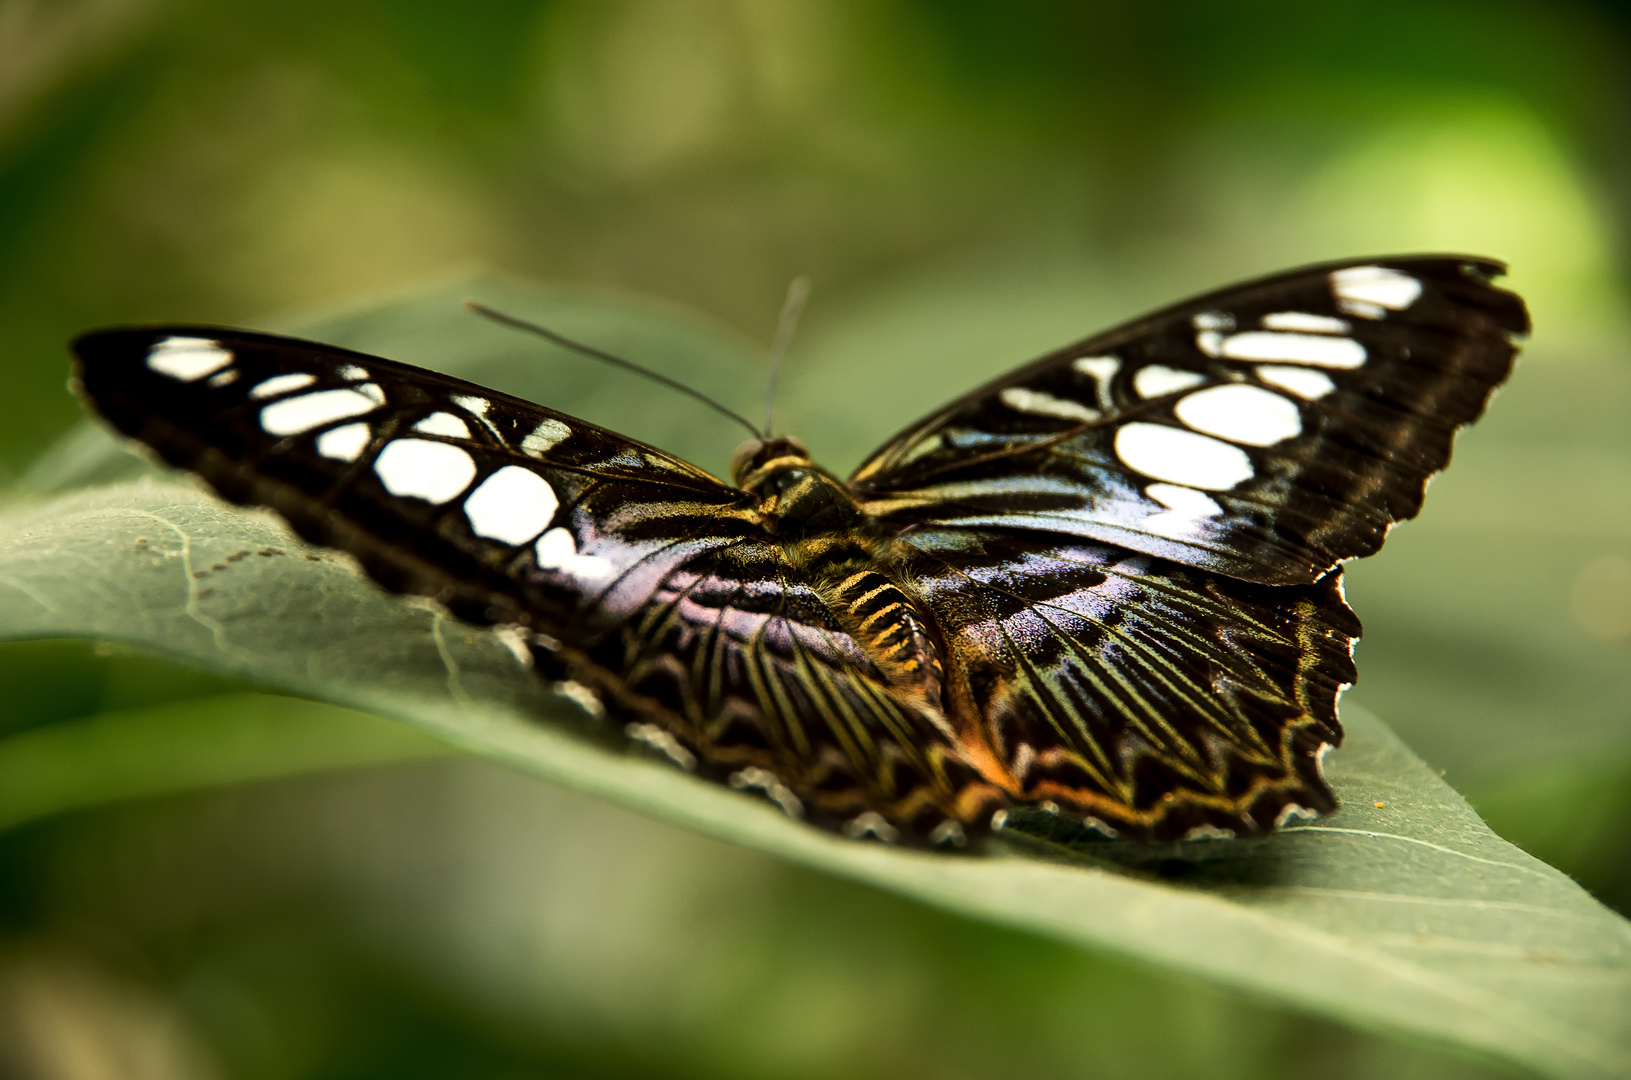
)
(968, 184)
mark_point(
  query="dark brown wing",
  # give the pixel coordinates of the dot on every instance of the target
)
(1266, 431)
(648, 589)
(1148, 698)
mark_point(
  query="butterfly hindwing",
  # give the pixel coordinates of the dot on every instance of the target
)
(750, 662)
(1267, 431)
(1148, 698)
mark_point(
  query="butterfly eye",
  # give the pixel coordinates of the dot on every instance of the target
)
(754, 454)
(742, 457)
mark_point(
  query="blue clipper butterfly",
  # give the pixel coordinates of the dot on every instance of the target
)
(1106, 584)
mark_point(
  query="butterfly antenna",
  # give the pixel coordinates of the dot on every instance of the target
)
(605, 357)
(798, 292)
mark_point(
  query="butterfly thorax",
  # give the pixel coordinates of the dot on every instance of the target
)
(850, 560)
(797, 497)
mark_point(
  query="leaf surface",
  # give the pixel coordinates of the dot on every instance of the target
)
(1402, 913)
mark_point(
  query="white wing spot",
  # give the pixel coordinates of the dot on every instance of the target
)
(1209, 832)
(1292, 812)
(1102, 369)
(1375, 287)
(1185, 509)
(344, 443)
(187, 359)
(1037, 403)
(443, 423)
(282, 384)
(417, 468)
(948, 832)
(1316, 350)
(1182, 457)
(1100, 827)
(351, 372)
(511, 506)
(755, 778)
(1024, 758)
(1305, 322)
(1242, 414)
(516, 639)
(293, 415)
(1213, 320)
(225, 378)
(1304, 382)
(557, 550)
(372, 393)
(871, 823)
(579, 695)
(477, 405)
(658, 739)
(544, 437)
(1158, 380)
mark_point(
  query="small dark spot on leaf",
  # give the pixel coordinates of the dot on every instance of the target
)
(237, 556)
(198, 574)
(219, 566)
(268, 552)
(314, 558)
(202, 593)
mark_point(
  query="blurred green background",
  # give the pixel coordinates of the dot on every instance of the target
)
(968, 184)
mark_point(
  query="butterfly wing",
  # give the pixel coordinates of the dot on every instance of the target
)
(437, 486)
(1147, 698)
(648, 589)
(1267, 431)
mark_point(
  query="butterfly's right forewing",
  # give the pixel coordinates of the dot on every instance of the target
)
(501, 509)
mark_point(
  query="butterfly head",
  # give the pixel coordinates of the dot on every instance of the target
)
(757, 459)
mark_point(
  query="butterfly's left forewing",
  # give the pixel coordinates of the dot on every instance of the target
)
(647, 589)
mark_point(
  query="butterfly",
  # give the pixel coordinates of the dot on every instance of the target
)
(1106, 585)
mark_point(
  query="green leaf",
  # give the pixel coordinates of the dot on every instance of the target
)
(1403, 913)
(207, 742)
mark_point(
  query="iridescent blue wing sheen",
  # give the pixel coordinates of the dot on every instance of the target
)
(644, 588)
(1267, 431)
(1148, 699)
